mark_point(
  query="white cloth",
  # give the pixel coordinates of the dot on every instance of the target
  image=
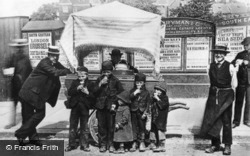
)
(112, 25)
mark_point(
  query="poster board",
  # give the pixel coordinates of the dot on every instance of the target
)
(92, 61)
(143, 61)
(186, 44)
(170, 54)
(231, 33)
(38, 46)
(197, 53)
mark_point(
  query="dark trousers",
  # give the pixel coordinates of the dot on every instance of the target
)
(79, 113)
(31, 118)
(246, 119)
(240, 94)
(138, 126)
(105, 127)
(225, 118)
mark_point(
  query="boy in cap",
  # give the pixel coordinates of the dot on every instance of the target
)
(42, 86)
(107, 87)
(140, 101)
(243, 89)
(159, 113)
(22, 66)
(218, 111)
(81, 100)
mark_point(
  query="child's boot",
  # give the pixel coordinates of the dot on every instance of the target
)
(121, 149)
(152, 145)
(142, 146)
(133, 148)
(162, 146)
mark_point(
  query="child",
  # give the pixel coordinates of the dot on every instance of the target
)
(159, 112)
(107, 87)
(80, 102)
(140, 100)
(123, 126)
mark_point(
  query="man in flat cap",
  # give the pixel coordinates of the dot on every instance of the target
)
(22, 68)
(218, 111)
(243, 88)
(116, 59)
(42, 85)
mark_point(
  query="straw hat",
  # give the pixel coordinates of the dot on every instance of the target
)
(53, 50)
(19, 43)
(220, 48)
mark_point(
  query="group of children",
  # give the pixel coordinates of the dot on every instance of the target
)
(124, 117)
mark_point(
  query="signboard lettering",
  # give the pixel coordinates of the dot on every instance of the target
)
(38, 46)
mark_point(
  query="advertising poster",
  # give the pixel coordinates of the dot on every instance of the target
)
(170, 54)
(92, 61)
(232, 38)
(38, 46)
(248, 31)
(197, 53)
(143, 61)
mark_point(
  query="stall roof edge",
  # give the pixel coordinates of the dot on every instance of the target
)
(43, 25)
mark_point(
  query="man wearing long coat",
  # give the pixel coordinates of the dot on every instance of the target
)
(218, 112)
(43, 85)
(22, 68)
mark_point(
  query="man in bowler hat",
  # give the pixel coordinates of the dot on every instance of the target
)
(42, 85)
(22, 68)
(116, 59)
(218, 111)
(243, 89)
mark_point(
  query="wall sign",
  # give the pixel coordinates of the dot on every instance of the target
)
(143, 61)
(186, 26)
(231, 33)
(232, 38)
(92, 61)
(38, 46)
(197, 53)
(170, 54)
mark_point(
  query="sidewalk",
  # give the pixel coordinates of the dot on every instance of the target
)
(56, 124)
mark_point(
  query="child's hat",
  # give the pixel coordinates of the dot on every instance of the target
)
(107, 65)
(161, 86)
(82, 69)
(140, 77)
(124, 96)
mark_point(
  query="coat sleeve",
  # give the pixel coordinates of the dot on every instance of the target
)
(58, 65)
(163, 103)
(73, 88)
(96, 88)
(234, 60)
(131, 95)
(52, 70)
(119, 89)
(91, 88)
(148, 101)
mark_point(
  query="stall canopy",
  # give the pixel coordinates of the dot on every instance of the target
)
(112, 25)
